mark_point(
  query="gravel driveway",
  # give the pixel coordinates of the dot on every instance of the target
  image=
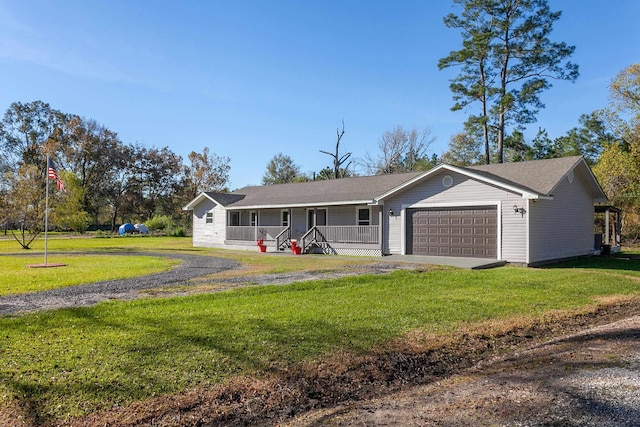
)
(192, 266)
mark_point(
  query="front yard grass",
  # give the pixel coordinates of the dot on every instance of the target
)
(17, 278)
(71, 362)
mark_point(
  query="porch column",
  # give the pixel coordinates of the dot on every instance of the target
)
(618, 235)
(606, 227)
(255, 226)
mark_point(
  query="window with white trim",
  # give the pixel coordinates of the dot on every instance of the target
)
(364, 216)
(284, 218)
(254, 218)
(209, 218)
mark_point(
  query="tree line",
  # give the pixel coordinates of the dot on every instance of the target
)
(506, 61)
(107, 181)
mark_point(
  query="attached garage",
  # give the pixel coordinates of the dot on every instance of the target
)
(459, 232)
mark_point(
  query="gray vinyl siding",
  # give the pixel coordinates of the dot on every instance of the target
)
(347, 215)
(570, 215)
(209, 235)
(270, 217)
(463, 192)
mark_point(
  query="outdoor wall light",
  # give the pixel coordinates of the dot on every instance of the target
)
(521, 211)
(390, 212)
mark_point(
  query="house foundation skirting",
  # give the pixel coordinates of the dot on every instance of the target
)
(358, 252)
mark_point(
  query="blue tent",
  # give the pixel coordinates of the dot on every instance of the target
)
(126, 228)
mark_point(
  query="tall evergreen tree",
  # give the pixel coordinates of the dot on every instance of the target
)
(506, 62)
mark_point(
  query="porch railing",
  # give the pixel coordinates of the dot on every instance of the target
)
(283, 239)
(252, 233)
(350, 233)
(365, 234)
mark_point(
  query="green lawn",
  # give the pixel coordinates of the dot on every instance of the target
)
(75, 361)
(16, 277)
(64, 243)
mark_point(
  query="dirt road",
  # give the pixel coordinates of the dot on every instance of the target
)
(587, 379)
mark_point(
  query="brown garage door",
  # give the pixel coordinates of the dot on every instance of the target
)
(461, 232)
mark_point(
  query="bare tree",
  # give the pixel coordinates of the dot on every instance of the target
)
(208, 172)
(400, 151)
(338, 160)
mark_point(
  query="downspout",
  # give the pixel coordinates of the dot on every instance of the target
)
(381, 228)
(528, 233)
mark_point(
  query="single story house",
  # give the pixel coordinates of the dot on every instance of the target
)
(526, 212)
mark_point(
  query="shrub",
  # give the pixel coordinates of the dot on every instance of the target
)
(177, 232)
(159, 223)
(100, 234)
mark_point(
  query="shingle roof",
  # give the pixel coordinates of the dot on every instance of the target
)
(225, 198)
(533, 178)
(346, 190)
(539, 176)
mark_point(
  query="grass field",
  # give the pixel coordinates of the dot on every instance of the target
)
(71, 362)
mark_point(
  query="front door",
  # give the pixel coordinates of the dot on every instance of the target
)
(316, 217)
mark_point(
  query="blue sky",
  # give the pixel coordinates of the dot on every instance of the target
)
(249, 79)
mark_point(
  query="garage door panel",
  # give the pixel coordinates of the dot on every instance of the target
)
(469, 232)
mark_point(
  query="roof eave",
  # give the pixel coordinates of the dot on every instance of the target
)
(301, 205)
(599, 196)
(523, 192)
(189, 206)
(406, 184)
(196, 200)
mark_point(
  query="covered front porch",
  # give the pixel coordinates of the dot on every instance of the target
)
(343, 230)
(608, 229)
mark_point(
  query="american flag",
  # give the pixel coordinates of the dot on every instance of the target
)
(53, 174)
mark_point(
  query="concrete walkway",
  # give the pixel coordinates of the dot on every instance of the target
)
(460, 262)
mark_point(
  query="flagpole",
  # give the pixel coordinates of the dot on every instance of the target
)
(46, 213)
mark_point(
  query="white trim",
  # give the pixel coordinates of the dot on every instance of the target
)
(527, 234)
(403, 230)
(496, 203)
(288, 211)
(479, 177)
(453, 204)
(303, 205)
(358, 209)
(207, 215)
(602, 197)
(196, 201)
(407, 183)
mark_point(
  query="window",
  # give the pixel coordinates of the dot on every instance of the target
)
(284, 220)
(364, 216)
(235, 219)
(254, 218)
(209, 218)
